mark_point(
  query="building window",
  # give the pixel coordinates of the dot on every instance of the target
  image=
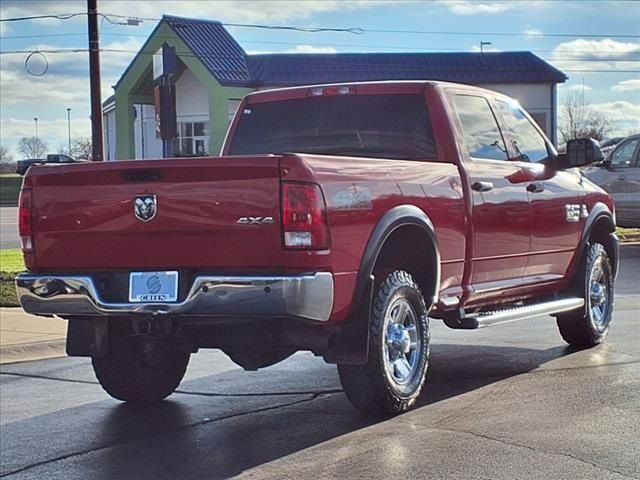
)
(541, 120)
(193, 139)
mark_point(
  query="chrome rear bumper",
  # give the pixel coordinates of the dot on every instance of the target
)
(304, 296)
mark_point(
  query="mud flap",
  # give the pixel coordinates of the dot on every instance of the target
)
(87, 337)
(350, 345)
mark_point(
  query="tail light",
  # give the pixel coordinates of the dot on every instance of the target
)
(24, 220)
(304, 218)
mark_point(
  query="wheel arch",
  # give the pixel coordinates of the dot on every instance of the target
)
(401, 227)
(350, 344)
(600, 226)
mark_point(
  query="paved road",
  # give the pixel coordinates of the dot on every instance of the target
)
(502, 403)
(9, 227)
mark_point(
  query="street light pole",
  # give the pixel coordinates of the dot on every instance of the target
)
(69, 127)
(35, 119)
(94, 74)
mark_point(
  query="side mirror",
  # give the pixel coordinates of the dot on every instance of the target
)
(580, 152)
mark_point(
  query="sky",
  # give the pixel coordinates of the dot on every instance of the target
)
(596, 43)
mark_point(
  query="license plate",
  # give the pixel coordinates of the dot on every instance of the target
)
(145, 287)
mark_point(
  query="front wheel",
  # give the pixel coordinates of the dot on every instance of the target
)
(392, 378)
(588, 327)
(139, 372)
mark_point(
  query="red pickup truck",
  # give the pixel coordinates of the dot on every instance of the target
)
(340, 219)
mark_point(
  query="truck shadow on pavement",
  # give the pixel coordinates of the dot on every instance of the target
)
(240, 433)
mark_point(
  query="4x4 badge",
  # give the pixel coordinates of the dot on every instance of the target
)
(145, 207)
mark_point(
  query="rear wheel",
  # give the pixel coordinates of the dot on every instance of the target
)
(139, 372)
(392, 379)
(589, 326)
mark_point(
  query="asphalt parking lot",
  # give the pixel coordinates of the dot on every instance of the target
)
(504, 402)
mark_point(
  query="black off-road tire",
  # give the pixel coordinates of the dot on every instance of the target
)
(370, 387)
(132, 373)
(582, 328)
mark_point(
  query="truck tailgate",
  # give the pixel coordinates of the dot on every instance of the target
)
(83, 215)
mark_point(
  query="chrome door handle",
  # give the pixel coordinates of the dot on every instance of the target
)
(535, 187)
(622, 176)
(482, 186)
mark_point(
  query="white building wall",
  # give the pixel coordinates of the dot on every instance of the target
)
(192, 99)
(535, 98)
(109, 127)
(144, 128)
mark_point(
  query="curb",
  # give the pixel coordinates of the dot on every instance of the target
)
(633, 238)
(26, 352)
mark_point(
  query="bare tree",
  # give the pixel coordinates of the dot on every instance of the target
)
(32, 147)
(6, 160)
(81, 148)
(580, 120)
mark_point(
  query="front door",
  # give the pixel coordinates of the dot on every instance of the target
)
(631, 212)
(555, 198)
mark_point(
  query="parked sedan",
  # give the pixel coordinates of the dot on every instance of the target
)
(619, 174)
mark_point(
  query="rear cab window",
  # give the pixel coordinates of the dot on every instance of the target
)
(392, 126)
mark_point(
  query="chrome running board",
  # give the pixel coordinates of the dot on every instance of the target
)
(552, 307)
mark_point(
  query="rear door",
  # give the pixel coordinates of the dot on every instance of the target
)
(501, 218)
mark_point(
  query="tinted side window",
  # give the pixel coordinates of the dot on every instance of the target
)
(623, 155)
(527, 142)
(480, 128)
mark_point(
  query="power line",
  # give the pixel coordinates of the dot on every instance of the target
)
(64, 16)
(352, 30)
(504, 34)
(320, 45)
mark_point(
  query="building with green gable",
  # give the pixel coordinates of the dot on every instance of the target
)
(214, 73)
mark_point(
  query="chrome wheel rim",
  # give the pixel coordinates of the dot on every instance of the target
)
(402, 344)
(599, 296)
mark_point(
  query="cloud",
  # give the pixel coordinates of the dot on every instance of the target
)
(462, 7)
(311, 49)
(605, 54)
(530, 32)
(579, 88)
(627, 85)
(65, 85)
(623, 115)
(52, 131)
(226, 10)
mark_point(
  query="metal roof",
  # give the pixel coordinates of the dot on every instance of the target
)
(214, 46)
(472, 68)
(225, 59)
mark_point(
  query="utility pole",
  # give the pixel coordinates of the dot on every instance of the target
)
(35, 119)
(69, 127)
(94, 74)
